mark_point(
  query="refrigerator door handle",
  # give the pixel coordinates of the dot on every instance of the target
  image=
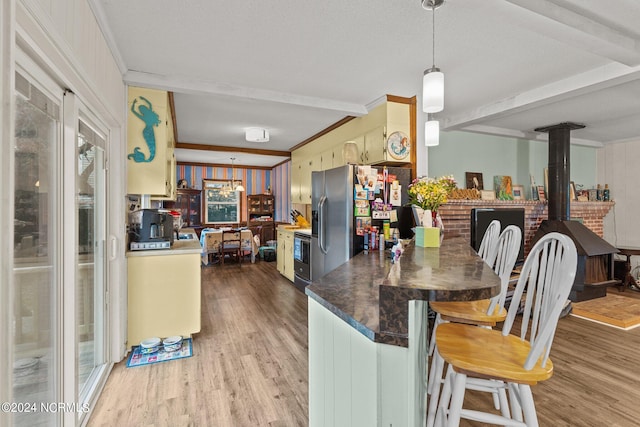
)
(321, 231)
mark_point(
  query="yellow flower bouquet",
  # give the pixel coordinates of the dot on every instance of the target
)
(429, 193)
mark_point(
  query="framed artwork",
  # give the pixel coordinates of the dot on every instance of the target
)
(474, 180)
(487, 195)
(503, 187)
(518, 192)
(541, 194)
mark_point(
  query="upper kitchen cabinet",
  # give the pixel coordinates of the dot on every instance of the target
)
(383, 137)
(151, 165)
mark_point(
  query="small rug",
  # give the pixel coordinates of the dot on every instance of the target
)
(138, 359)
(612, 310)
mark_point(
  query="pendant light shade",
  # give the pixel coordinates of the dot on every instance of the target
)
(433, 79)
(431, 133)
(433, 91)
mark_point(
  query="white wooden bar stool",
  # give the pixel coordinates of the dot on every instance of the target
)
(499, 360)
(485, 313)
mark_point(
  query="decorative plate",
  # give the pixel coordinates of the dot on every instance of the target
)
(398, 145)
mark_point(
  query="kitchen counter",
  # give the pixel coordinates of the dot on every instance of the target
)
(371, 293)
(164, 288)
(186, 246)
(368, 331)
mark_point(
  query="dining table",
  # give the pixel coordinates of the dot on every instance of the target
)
(212, 245)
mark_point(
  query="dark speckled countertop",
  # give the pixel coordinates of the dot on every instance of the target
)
(371, 293)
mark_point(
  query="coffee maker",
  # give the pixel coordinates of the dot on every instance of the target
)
(150, 229)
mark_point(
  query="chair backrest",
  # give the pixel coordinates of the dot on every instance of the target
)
(230, 239)
(212, 241)
(489, 240)
(548, 275)
(506, 254)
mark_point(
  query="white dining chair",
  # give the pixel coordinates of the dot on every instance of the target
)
(491, 360)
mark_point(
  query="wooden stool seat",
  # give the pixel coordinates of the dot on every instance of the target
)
(485, 353)
(472, 312)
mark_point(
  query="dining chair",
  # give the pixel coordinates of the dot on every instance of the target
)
(487, 313)
(231, 245)
(212, 243)
(489, 359)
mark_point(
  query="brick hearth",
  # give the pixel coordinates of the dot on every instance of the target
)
(456, 216)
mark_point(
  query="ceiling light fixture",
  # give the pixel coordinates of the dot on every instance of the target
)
(433, 79)
(431, 132)
(256, 135)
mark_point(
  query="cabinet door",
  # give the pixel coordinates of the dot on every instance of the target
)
(254, 205)
(374, 143)
(296, 176)
(288, 257)
(267, 233)
(267, 204)
(146, 155)
(361, 149)
(195, 205)
(305, 179)
(280, 249)
(327, 159)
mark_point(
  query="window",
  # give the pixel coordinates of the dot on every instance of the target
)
(221, 202)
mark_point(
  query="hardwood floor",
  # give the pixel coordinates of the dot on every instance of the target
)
(250, 366)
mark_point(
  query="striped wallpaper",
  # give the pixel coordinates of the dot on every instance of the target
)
(281, 187)
(255, 181)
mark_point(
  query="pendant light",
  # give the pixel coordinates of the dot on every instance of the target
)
(431, 132)
(433, 79)
(233, 185)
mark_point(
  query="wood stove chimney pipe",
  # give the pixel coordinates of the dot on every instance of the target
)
(559, 168)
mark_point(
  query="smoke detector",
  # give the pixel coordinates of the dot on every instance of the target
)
(257, 135)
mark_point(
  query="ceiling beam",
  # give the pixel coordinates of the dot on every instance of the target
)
(588, 82)
(532, 136)
(183, 84)
(224, 165)
(583, 32)
(205, 147)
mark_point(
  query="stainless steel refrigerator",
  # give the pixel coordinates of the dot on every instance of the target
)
(332, 225)
(333, 231)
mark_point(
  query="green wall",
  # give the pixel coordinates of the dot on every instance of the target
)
(461, 152)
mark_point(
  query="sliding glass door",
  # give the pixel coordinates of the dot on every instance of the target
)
(59, 264)
(37, 251)
(90, 264)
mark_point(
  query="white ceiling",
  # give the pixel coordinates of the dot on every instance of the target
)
(295, 67)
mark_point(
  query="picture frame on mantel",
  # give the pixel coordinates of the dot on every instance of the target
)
(474, 180)
(518, 192)
(487, 194)
(541, 194)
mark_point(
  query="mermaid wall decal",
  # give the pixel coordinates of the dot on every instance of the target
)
(150, 119)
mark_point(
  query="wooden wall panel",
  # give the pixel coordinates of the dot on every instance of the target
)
(71, 25)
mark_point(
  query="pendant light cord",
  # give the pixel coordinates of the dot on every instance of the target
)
(433, 29)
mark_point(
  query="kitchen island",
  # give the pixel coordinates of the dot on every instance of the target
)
(368, 331)
(164, 290)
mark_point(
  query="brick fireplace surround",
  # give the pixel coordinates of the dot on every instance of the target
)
(456, 216)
